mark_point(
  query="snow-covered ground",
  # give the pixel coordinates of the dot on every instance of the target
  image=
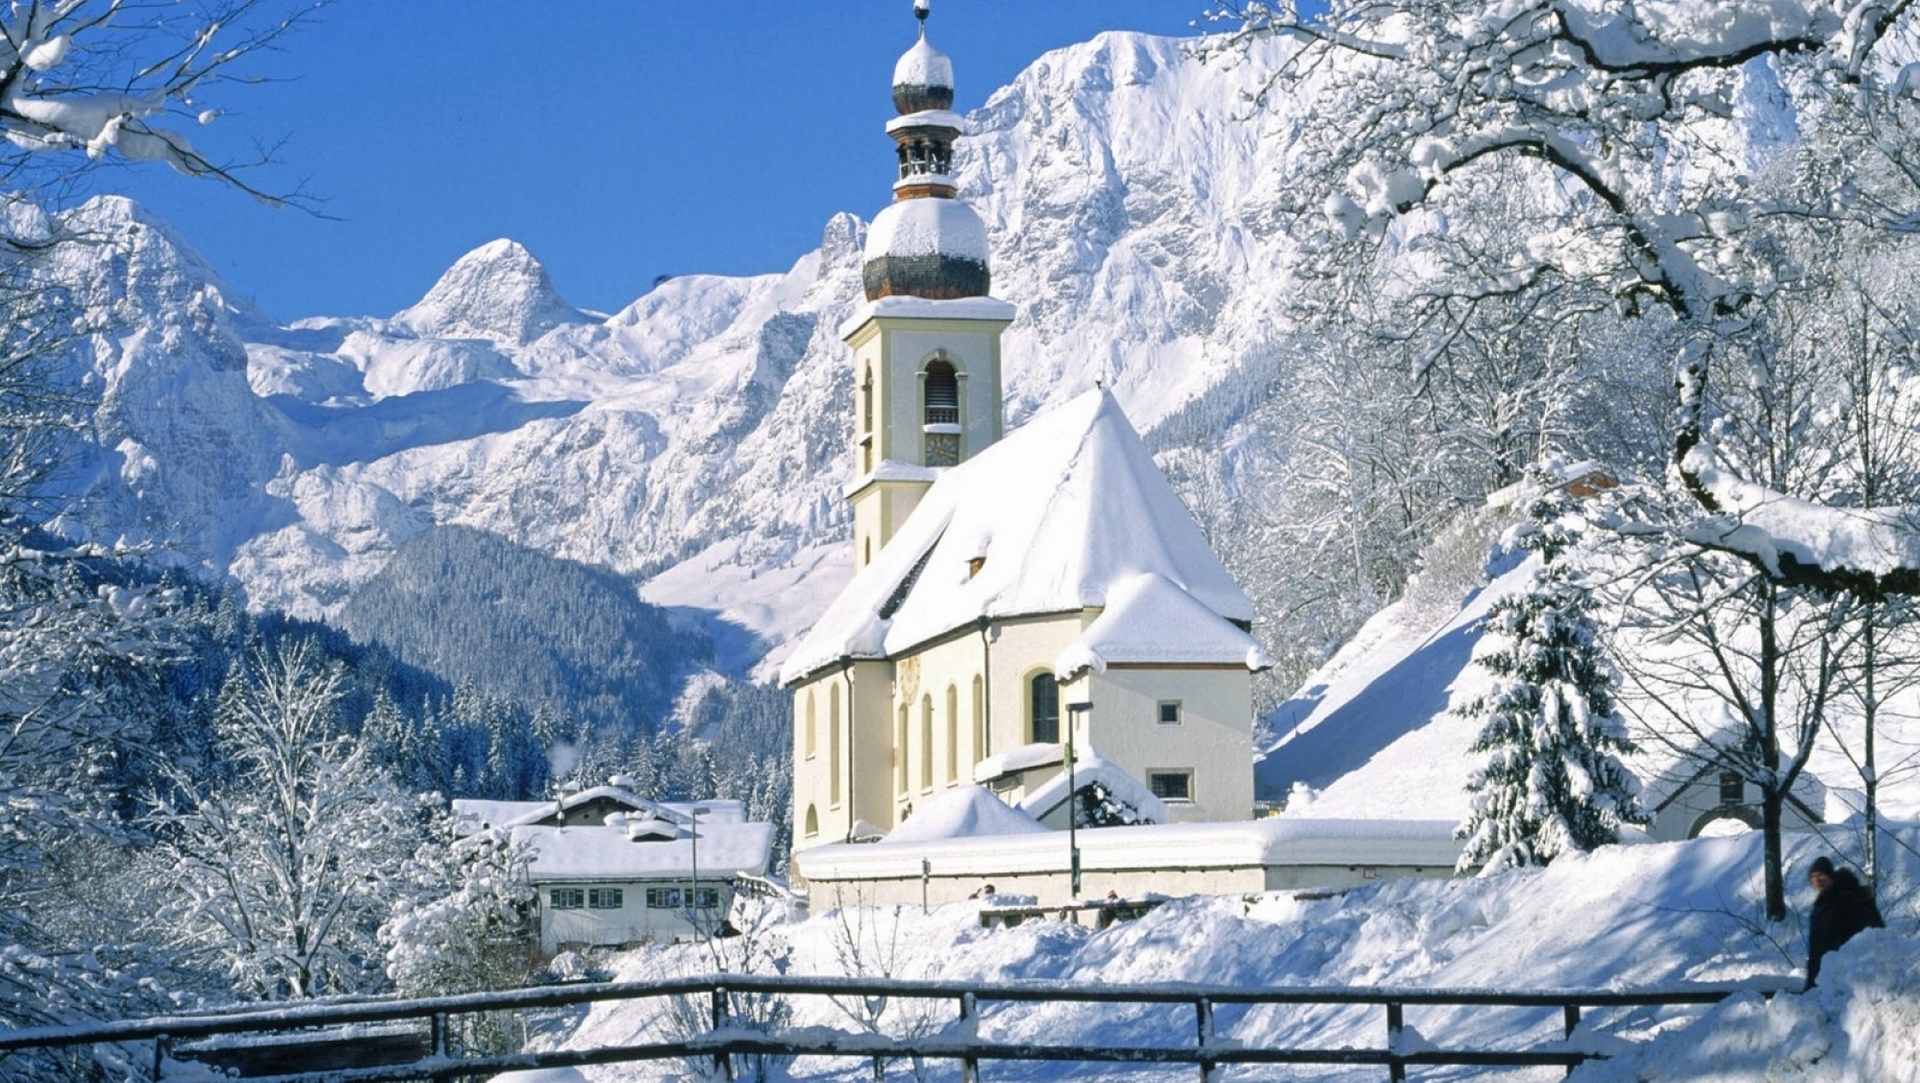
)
(1624, 917)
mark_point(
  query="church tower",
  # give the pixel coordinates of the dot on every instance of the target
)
(926, 345)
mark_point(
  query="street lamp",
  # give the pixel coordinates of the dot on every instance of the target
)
(1074, 711)
(693, 833)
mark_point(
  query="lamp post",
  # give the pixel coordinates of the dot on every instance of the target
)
(1074, 711)
(693, 834)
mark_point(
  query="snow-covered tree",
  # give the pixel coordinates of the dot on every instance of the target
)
(1552, 780)
(111, 77)
(1666, 145)
(281, 875)
(467, 925)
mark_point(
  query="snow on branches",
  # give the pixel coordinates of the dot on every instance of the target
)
(1676, 147)
(95, 76)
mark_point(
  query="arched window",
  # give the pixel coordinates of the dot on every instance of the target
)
(941, 432)
(813, 821)
(810, 744)
(901, 782)
(953, 734)
(833, 745)
(866, 401)
(1043, 705)
(926, 742)
(979, 720)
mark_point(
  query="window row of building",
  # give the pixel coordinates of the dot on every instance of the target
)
(613, 898)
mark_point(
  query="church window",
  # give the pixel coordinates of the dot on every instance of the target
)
(926, 742)
(833, 745)
(941, 389)
(1732, 789)
(1171, 785)
(979, 719)
(1043, 702)
(901, 782)
(810, 742)
(813, 821)
(866, 402)
(953, 734)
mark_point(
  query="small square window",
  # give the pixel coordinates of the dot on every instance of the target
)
(1171, 785)
(1169, 712)
(1733, 789)
(605, 898)
(567, 898)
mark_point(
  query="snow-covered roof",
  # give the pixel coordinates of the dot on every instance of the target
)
(928, 118)
(926, 227)
(1062, 513)
(963, 812)
(1149, 619)
(606, 853)
(1017, 759)
(524, 813)
(1275, 841)
(923, 65)
(1089, 768)
(901, 306)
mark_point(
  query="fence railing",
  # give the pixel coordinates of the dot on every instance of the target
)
(727, 1035)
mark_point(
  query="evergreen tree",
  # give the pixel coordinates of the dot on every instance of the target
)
(1552, 780)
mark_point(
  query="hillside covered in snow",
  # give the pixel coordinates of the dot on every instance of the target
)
(1624, 917)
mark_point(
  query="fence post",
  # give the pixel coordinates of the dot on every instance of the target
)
(437, 1034)
(1396, 1022)
(160, 1044)
(970, 1012)
(1573, 1022)
(721, 1060)
(1203, 1025)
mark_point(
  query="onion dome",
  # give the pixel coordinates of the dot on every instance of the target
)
(927, 244)
(923, 79)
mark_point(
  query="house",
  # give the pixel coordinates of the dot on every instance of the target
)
(1697, 793)
(1017, 601)
(612, 868)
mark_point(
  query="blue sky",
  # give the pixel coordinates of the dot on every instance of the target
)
(619, 141)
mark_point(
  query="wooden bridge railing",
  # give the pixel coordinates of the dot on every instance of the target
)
(727, 1035)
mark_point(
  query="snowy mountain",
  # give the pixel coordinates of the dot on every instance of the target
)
(695, 440)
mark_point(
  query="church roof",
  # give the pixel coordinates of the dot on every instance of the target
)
(1066, 514)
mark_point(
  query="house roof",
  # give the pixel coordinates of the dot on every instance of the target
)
(1061, 515)
(485, 814)
(608, 853)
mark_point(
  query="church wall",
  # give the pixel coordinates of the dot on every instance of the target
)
(856, 758)
(1213, 737)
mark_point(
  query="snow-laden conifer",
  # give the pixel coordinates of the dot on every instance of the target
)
(1552, 780)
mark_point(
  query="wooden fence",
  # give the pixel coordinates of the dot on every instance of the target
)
(726, 1029)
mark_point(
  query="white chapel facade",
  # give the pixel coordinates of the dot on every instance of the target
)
(1015, 595)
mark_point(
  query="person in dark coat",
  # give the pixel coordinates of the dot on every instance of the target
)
(1842, 908)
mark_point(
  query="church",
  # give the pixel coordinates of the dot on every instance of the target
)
(1027, 607)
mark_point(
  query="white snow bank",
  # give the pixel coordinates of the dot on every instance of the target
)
(1645, 917)
(963, 812)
